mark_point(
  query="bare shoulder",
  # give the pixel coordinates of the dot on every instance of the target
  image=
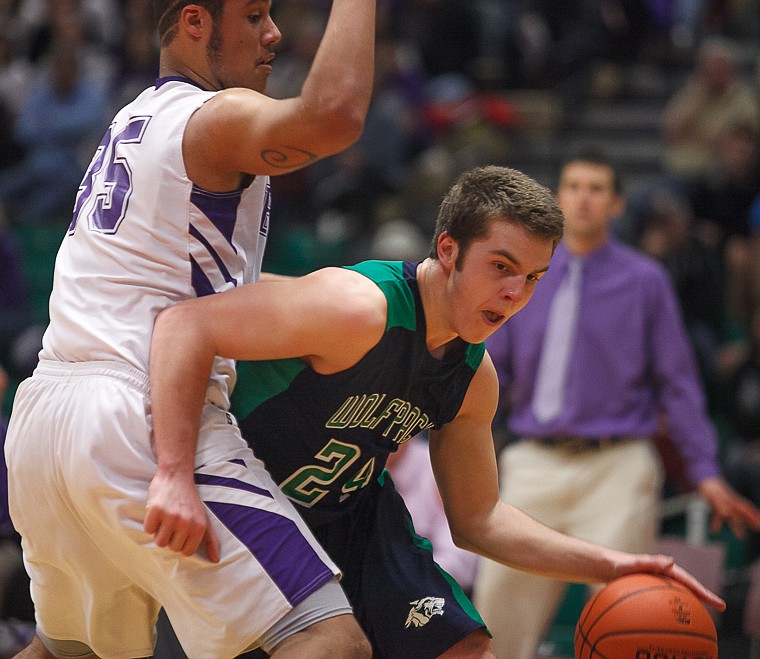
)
(215, 143)
(351, 296)
(350, 311)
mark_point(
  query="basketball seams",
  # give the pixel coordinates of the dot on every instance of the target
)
(622, 599)
(609, 598)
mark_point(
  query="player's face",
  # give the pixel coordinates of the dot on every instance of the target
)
(588, 199)
(496, 278)
(240, 48)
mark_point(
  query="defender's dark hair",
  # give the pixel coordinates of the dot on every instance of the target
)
(166, 13)
(595, 156)
(487, 194)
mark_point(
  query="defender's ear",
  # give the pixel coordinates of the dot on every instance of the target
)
(194, 19)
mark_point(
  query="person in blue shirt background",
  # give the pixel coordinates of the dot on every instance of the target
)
(64, 112)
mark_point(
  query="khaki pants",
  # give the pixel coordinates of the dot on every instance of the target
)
(608, 495)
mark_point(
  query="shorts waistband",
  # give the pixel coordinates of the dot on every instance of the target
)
(580, 444)
(119, 370)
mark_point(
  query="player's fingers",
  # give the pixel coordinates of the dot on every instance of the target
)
(165, 531)
(180, 535)
(152, 520)
(195, 534)
(212, 545)
(701, 591)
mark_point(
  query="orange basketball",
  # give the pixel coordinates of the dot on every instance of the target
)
(645, 616)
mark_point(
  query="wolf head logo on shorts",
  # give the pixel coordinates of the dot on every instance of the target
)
(423, 609)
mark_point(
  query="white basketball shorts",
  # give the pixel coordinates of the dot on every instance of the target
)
(80, 461)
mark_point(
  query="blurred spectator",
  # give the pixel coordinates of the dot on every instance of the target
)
(713, 101)
(137, 65)
(413, 477)
(95, 24)
(723, 195)
(55, 125)
(559, 43)
(16, 611)
(753, 256)
(15, 308)
(741, 406)
(16, 75)
(670, 236)
(445, 33)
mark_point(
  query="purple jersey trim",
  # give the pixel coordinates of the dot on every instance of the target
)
(162, 81)
(214, 254)
(206, 479)
(220, 208)
(278, 545)
(200, 282)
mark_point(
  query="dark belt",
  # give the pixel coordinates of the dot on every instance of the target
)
(577, 444)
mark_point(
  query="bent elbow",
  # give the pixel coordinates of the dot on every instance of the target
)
(344, 126)
(463, 540)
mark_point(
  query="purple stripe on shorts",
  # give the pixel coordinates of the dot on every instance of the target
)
(278, 545)
(205, 479)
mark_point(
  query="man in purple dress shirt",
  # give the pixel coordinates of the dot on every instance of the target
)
(587, 468)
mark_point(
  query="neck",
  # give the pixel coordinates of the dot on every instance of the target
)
(171, 66)
(431, 279)
(581, 245)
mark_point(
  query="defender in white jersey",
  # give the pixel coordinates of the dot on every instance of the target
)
(175, 205)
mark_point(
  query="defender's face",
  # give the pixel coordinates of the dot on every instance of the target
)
(240, 47)
(496, 278)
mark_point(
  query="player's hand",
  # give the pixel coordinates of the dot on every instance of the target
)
(661, 564)
(730, 507)
(177, 518)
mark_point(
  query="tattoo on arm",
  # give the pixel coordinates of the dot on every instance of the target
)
(291, 158)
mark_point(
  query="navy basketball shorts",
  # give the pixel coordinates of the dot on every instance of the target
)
(406, 604)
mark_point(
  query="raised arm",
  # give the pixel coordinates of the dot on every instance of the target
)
(241, 130)
(464, 463)
(330, 318)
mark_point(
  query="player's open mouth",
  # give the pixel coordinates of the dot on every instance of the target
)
(493, 317)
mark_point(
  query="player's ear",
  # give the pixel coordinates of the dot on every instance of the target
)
(448, 250)
(193, 18)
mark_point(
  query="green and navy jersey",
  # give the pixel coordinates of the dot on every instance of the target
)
(324, 438)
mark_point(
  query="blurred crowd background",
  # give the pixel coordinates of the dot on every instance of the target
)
(669, 88)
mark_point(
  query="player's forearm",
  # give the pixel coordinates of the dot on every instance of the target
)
(180, 366)
(339, 85)
(513, 538)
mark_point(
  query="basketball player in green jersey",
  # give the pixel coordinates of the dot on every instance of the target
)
(351, 362)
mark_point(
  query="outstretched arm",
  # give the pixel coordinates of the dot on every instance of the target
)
(329, 318)
(464, 462)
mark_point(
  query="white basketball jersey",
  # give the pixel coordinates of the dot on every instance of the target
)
(144, 237)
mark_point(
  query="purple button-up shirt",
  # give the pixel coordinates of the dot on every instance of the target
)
(631, 358)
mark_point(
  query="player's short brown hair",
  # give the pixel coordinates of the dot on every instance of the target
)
(487, 194)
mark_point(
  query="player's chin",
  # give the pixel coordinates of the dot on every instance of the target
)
(488, 324)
